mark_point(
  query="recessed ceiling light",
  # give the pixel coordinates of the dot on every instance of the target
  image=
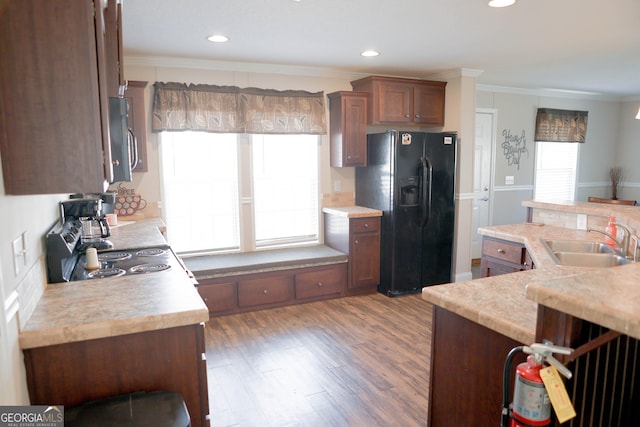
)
(501, 3)
(218, 38)
(370, 53)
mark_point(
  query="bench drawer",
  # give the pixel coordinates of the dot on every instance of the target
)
(328, 281)
(219, 297)
(266, 290)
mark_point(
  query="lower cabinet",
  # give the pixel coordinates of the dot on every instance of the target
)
(360, 239)
(165, 359)
(502, 257)
(257, 291)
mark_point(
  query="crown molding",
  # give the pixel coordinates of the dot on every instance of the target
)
(552, 93)
(248, 67)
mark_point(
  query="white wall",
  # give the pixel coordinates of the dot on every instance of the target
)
(19, 293)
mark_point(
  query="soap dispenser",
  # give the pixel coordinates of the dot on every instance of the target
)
(611, 229)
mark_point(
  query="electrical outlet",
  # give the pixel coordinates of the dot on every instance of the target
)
(581, 222)
(337, 186)
(509, 180)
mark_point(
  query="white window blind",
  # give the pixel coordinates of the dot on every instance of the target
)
(556, 171)
(208, 209)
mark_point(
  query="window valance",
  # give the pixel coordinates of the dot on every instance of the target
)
(561, 125)
(230, 109)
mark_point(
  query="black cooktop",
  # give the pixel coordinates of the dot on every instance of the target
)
(126, 262)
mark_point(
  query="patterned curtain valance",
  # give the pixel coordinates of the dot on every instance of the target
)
(230, 109)
(561, 125)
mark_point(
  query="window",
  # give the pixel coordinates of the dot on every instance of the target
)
(228, 192)
(556, 170)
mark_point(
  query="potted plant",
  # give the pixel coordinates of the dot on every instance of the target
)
(615, 174)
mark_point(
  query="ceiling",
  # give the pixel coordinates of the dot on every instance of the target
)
(568, 45)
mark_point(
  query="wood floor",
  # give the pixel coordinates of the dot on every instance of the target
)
(357, 361)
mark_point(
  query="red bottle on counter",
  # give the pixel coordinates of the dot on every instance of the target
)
(611, 229)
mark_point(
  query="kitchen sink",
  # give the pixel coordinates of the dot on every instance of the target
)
(584, 259)
(579, 246)
(579, 253)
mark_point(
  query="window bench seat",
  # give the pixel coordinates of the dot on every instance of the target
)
(234, 283)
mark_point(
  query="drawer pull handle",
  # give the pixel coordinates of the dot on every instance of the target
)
(319, 284)
(501, 251)
(265, 292)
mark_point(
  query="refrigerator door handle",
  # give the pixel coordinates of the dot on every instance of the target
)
(425, 184)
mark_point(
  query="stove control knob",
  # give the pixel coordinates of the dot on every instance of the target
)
(68, 238)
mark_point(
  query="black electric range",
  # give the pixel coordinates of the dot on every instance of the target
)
(126, 262)
(66, 260)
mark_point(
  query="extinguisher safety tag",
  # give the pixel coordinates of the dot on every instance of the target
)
(557, 394)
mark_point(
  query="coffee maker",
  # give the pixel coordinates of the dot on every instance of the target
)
(90, 210)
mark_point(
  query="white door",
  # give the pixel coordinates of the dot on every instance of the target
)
(482, 172)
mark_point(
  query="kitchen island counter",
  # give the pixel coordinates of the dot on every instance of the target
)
(100, 308)
(476, 323)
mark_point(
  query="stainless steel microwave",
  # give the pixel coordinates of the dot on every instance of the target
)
(124, 146)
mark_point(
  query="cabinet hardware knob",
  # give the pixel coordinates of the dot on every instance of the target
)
(349, 157)
(265, 292)
(356, 242)
(418, 116)
(501, 251)
(366, 225)
(116, 162)
(319, 284)
(407, 116)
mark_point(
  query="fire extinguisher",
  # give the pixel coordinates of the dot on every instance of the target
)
(531, 406)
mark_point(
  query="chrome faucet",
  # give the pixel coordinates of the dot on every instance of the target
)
(624, 244)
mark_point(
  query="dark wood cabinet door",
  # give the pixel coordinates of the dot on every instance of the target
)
(428, 103)
(113, 39)
(53, 97)
(348, 128)
(365, 260)
(395, 103)
(355, 131)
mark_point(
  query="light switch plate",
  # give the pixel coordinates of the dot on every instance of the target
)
(16, 249)
(509, 180)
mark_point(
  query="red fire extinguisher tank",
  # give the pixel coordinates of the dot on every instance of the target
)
(531, 404)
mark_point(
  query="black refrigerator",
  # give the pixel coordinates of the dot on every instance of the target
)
(410, 177)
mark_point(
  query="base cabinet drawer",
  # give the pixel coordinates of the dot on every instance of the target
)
(219, 297)
(327, 281)
(503, 257)
(268, 290)
(503, 250)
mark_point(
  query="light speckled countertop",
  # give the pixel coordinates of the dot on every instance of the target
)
(99, 308)
(508, 303)
(352, 211)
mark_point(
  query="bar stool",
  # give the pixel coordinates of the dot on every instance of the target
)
(140, 409)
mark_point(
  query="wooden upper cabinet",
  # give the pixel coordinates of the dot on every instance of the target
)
(348, 128)
(116, 83)
(403, 101)
(53, 97)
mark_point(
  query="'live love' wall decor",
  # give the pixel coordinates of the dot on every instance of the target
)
(514, 146)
